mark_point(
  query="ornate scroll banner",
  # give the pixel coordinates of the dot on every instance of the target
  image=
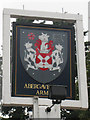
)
(42, 56)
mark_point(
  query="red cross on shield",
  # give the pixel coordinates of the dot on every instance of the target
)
(43, 61)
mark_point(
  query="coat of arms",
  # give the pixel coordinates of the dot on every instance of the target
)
(45, 56)
(43, 53)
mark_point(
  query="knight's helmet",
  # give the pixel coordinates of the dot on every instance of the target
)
(44, 39)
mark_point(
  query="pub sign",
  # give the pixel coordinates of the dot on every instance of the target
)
(42, 56)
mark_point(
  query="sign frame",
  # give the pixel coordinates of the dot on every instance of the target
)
(82, 103)
(89, 21)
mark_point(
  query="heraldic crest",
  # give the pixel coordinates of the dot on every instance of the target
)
(45, 56)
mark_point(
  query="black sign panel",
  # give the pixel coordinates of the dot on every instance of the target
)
(42, 56)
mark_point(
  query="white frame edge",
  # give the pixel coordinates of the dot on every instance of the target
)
(6, 88)
(89, 21)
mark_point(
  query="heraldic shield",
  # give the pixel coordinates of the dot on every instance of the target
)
(42, 55)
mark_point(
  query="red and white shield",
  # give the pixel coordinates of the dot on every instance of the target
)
(43, 61)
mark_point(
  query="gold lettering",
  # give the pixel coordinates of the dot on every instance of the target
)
(25, 86)
(31, 86)
(45, 92)
(47, 86)
(41, 92)
(37, 93)
(36, 86)
(42, 87)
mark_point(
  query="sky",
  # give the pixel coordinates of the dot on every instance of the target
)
(69, 6)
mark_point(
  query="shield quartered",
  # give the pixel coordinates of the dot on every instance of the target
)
(44, 61)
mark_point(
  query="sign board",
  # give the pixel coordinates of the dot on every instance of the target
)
(28, 33)
(42, 56)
